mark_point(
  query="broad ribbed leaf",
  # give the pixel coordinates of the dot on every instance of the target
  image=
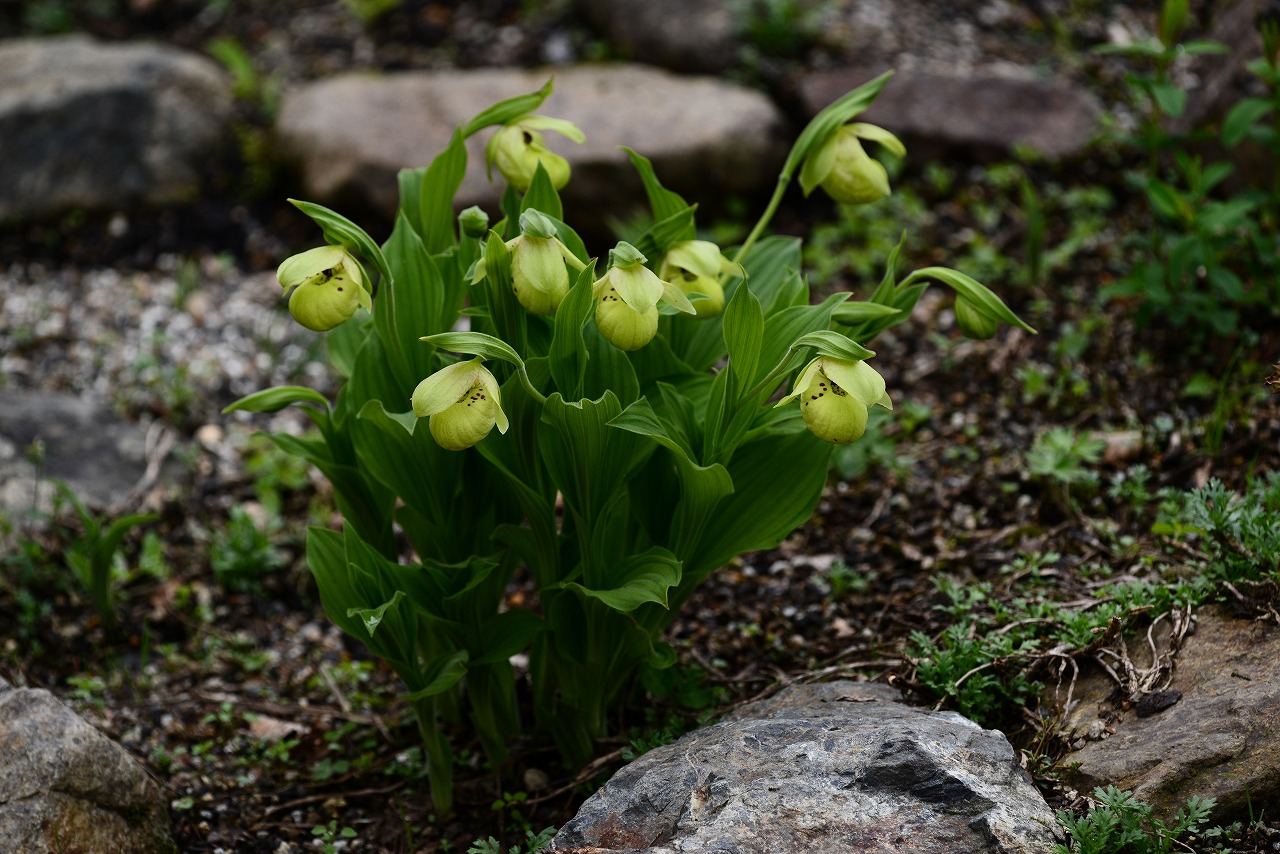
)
(504, 111)
(440, 184)
(646, 577)
(542, 195)
(743, 335)
(275, 399)
(477, 344)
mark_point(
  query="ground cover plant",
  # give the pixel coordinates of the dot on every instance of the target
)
(266, 725)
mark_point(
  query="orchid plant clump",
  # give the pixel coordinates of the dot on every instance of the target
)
(511, 403)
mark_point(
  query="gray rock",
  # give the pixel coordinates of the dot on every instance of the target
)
(64, 786)
(95, 453)
(1220, 739)
(684, 35)
(975, 111)
(835, 767)
(97, 126)
(352, 133)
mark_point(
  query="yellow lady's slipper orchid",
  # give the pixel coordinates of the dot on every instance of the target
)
(539, 277)
(835, 395)
(627, 298)
(844, 169)
(973, 322)
(329, 285)
(517, 149)
(695, 266)
(462, 404)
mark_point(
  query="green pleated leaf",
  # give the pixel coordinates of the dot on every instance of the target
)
(777, 483)
(440, 675)
(340, 231)
(275, 399)
(542, 195)
(784, 327)
(504, 111)
(506, 634)
(412, 305)
(371, 618)
(588, 460)
(662, 202)
(567, 357)
(860, 312)
(744, 334)
(828, 343)
(440, 184)
(476, 344)
(406, 459)
(642, 578)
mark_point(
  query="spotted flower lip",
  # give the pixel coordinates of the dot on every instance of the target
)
(328, 286)
(627, 297)
(462, 404)
(517, 148)
(842, 166)
(835, 395)
(696, 267)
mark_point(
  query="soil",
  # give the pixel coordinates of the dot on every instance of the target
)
(263, 723)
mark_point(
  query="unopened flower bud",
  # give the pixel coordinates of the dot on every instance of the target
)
(474, 222)
(328, 287)
(973, 322)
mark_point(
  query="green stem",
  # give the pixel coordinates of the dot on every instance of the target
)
(783, 180)
(439, 756)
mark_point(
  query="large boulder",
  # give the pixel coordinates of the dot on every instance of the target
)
(64, 786)
(98, 126)
(352, 133)
(834, 767)
(981, 112)
(1213, 732)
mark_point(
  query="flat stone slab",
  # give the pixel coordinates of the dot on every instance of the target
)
(1220, 738)
(832, 767)
(974, 110)
(104, 126)
(352, 133)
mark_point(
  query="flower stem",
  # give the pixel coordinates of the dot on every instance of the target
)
(783, 180)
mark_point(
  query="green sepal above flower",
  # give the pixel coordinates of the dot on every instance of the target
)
(328, 286)
(835, 395)
(627, 298)
(462, 404)
(517, 149)
(842, 167)
(696, 267)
